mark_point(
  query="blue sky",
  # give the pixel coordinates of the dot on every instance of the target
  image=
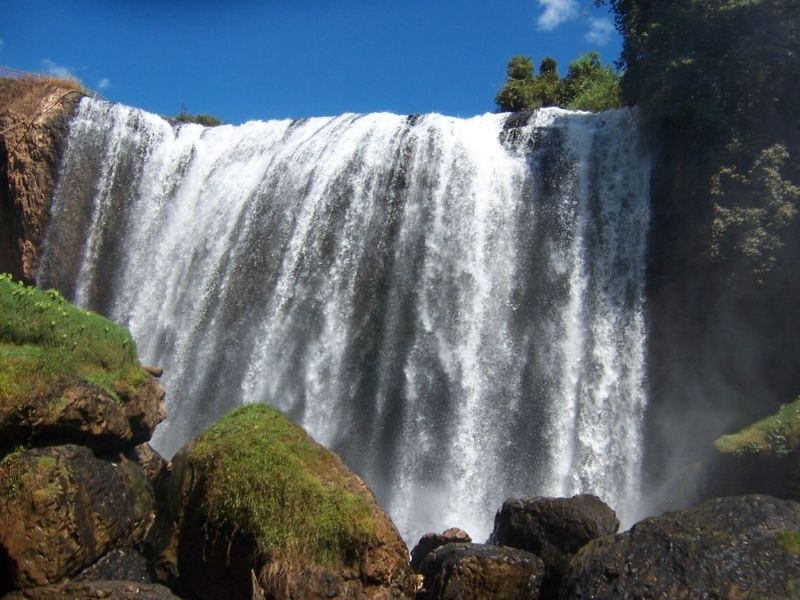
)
(242, 60)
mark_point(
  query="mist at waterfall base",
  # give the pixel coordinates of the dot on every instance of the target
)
(454, 306)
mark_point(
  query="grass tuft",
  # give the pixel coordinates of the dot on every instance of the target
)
(265, 475)
(45, 340)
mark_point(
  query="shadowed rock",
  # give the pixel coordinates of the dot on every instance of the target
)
(478, 571)
(732, 547)
(430, 541)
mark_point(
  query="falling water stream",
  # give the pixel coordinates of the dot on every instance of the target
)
(455, 306)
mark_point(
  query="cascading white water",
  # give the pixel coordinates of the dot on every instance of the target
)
(455, 306)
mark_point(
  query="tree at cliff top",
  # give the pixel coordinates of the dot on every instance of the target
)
(587, 86)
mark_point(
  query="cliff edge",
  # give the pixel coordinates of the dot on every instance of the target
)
(34, 112)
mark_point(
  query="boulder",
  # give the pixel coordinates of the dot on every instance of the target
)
(255, 506)
(478, 571)
(119, 564)
(731, 547)
(61, 509)
(152, 463)
(553, 528)
(430, 541)
(95, 590)
(80, 412)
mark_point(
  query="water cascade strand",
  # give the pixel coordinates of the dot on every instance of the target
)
(455, 306)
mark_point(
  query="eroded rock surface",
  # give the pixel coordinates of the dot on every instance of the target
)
(478, 571)
(95, 590)
(61, 509)
(553, 528)
(732, 547)
(33, 129)
(430, 541)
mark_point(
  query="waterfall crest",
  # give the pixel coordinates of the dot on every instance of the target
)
(455, 306)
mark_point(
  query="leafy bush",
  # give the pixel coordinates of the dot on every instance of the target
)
(588, 85)
(778, 434)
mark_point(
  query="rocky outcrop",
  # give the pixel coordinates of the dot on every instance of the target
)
(430, 541)
(553, 528)
(61, 509)
(33, 128)
(255, 506)
(478, 571)
(733, 547)
(80, 412)
(95, 590)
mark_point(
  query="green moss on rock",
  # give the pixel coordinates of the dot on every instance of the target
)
(776, 435)
(264, 475)
(790, 541)
(45, 341)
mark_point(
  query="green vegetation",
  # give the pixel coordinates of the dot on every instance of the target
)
(10, 473)
(790, 541)
(588, 85)
(263, 474)
(45, 341)
(206, 120)
(720, 77)
(776, 435)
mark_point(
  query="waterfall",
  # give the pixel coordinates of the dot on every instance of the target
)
(454, 306)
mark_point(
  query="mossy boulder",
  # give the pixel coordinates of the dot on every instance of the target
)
(255, 506)
(61, 509)
(70, 376)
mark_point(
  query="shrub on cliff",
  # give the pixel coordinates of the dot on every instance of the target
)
(775, 435)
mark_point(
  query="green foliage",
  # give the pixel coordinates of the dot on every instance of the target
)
(45, 340)
(264, 475)
(588, 85)
(205, 120)
(719, 77)
(520, 68)
(591, 86)
(751, 211)
(11, 473)
(778, 435)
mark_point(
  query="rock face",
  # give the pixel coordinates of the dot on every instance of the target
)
(255, 507)
(478, 571)
(95, 590)
(732, 547)
(553, 528)
(430, 541)
(61, 509)
(84, 413)
(33, 123)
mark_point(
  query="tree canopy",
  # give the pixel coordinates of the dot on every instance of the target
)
(588, 85)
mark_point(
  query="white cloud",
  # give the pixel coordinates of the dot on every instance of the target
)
(104, 83)
(57, 70)
(555, 13)
(600, 31)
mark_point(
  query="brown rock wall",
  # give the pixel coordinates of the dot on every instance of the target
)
(33, 129)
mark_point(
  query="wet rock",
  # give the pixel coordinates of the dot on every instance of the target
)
(430, 541)
(95, 590)
(553, 528)
(120, 564)
(732, 547)
(79, 412)
(478, 571)
(61, 509)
